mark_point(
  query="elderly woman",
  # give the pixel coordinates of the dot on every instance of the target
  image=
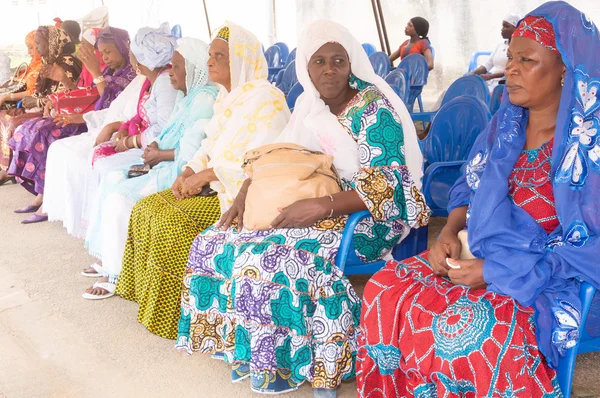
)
(248, 113)
(495, 325)
(55, 48)
(492, 71)
(417, 29)
(33, 138)
(272, 302)
(174, 148)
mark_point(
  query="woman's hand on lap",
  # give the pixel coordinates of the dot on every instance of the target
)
(446, 246)
(152, 155)
(303, 213)
(469, 274)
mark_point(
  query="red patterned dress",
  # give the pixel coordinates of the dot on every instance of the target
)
(423, 336)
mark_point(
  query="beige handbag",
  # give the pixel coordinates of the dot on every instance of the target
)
(282, 174)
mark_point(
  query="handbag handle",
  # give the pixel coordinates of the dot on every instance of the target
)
(20, 75)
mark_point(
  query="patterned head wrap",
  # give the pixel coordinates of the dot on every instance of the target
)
(195, 53)
(30, 41)
(223, 34)
(154, 48)
(538, 29)
(59, 42)
(118, 37)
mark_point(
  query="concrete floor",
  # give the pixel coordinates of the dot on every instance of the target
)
(55, 344)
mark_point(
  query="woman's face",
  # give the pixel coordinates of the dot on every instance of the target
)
(409, 30)
(30, 48)
(137, 66)
(41, 44)
(329, 70)
(177, 72)
(218, 63)
(110, 55)
(507, 30)
(533, 74)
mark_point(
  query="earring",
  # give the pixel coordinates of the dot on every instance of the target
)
(138, 71)
(562, 81)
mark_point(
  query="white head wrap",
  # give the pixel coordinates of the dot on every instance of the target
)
(314, 126)
(154, 48)
(195, 53)
(512, 19)
(90, 36)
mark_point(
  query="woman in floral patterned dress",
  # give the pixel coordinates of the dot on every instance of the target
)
(273, 303)
(497, 324)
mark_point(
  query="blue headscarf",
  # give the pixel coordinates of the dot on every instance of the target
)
(521, 259)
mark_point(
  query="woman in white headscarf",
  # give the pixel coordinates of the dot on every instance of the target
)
(167, 155)
(492, 71)
(249, 112)
(273, 302)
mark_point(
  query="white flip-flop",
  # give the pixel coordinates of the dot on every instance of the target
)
(109, 287)
(98, 274)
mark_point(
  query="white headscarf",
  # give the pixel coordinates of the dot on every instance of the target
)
(247, 61)
(314, 126)
(195, 52)
(154, 48)
(512, 19)
(90, 36)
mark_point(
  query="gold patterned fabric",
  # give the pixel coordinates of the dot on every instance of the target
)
(161, 231)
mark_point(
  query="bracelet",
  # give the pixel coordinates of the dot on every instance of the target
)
(331, 213)
(98, 80)
(135, 143)
(12, 96)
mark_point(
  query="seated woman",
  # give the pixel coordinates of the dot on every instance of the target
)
(496, 325)
(417, 29)
(248, 113)
(492, 71)
(88, 42)
(34, 137)
(55, 49)
(282, 311)
(175, 147)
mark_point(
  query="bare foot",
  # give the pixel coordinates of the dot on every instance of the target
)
(97, 291)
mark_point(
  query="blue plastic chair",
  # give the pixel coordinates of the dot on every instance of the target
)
(284, 52)
(496, 99)
(381, 63)
(470, 85)
(176, 31)
(415, 66)
(288, 79)
(446, 147)
(586, 343)
(475, 57)
(273, 61)
(293, 95)
(291, 57)
(399, 82)
(347, 261)
(369, 48)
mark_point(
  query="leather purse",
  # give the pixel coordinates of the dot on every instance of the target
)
(282, 174)
(16, 83)
(138, 170)
(71, 102)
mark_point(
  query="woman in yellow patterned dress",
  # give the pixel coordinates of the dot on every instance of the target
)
(249, 112)
(273, 303)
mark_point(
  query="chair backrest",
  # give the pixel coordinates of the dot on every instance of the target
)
(176, 31)
(471, 85)
(381, 63)
(293, 95)
(369, 48)
(416, 69)
(291, 57)
(454, 129)
(473, 62)
(399, 82)
(289, 78)
(284, 52)
(272, 56)
(496, 98)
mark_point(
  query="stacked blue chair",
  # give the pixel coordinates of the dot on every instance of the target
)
(452, 134)
(176, 31)
(288, 79)
(381, 63)
(284, 52)
(398, 80)
(415, 66)
(369, 48)
(470, 85)
(475, 57)
(291, 57)
(272, 56)
(496, 98)
(293, 95)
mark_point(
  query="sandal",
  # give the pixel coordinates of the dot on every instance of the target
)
(28, 209)
(97, 267)
(9, 179)
(110, 291)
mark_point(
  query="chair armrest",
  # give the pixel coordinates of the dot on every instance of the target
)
(434, 170)
(346, 245)
(20, 104)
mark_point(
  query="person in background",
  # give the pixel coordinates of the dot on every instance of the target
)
(417, 29)
(492, 71)
(4, 68)
(88, 48)
(74, 30)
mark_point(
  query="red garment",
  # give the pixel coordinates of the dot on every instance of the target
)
(538, 29)
(418, 48)
(421, 335)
